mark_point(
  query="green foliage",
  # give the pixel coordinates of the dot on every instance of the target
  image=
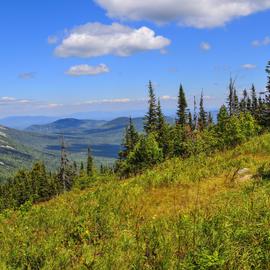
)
(150, 124)
(181, 108)
(146, 153)
(105, 227)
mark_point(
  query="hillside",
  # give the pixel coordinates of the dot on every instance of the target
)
(66, 126)
(14, 154)
(206, 212)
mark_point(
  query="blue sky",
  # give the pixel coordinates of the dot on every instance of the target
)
(66, 56)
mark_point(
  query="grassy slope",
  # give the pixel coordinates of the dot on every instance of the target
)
(190, 214)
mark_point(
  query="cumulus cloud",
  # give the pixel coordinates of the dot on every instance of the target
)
(205, 46)
(86, 70)
(95, 39)
(27, 75)
(199, 14)
(263, 42)
(249, 66)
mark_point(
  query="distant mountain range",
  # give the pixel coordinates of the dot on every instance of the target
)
(22, 122)
(19, 148)
(42, 141)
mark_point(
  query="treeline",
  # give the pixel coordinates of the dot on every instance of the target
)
(38, 184)
(194, 132)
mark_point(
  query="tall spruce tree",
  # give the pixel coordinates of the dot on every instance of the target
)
(90, 163)
(222, 118)
(235, 102)
(190, 121)
(182, 108)
(243, 102)
(130, 139)
(268, 77)
(254, 101)
(202, 120)
(150, 121)
(195, 117)
(266, 108)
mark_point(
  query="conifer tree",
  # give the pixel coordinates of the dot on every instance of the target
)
(150, 121)
(268, 77)
(254, 101)
(231, 98)
(202, 120)
(266, 108)
(222, 118)
(195, 117)
(90, 165)
(131, 138)
(235, 102)
(249, 104)
(182, 108)
(243, 102)
(190, 121)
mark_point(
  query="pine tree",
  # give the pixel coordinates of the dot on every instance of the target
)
(235, 102)
(131, 138)
(231, 98)
(202, 120)
(90, 165)
(182, 108)
(243, 102)
(249, 104)
(268, 77)
(266, 108)
(222, 118)
(195, 117)
(190, 121)
(254, 101)
(150, 121)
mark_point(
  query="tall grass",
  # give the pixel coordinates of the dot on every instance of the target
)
(108, 227)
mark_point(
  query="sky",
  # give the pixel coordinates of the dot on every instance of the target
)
(69, 56)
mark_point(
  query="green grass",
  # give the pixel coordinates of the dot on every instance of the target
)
(183, 214)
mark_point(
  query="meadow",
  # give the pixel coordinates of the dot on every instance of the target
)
(204, 212)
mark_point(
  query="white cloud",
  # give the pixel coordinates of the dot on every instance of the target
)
(115, 100)
(249, 66)
(259, 43)
(205, 46)
(168, 98)
(95, 39)
(86, 70)
(195, 13)
(13, 101)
